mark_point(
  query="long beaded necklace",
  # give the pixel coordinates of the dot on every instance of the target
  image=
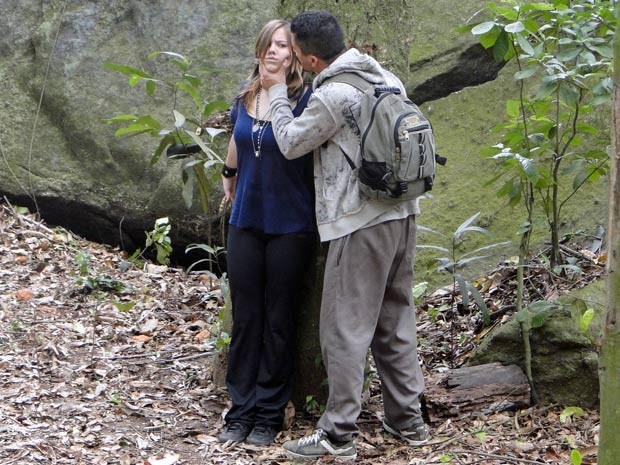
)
(259, 126)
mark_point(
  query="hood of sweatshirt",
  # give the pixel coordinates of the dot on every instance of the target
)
(352, 61)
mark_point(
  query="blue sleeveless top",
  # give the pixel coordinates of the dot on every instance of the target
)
(273, 195)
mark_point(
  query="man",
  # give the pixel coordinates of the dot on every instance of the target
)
(367, 297)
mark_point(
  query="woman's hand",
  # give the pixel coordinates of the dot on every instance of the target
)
(230, 185)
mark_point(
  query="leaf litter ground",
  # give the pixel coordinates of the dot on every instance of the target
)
(124, 374)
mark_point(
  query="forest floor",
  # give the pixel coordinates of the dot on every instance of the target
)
(103, 362)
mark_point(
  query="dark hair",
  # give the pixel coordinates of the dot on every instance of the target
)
(318, 33)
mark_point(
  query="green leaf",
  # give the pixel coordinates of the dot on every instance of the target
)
(423, 229)
(432, 247)
(586, 320)
(511, 14)
(462, 289)
(570, 412)
(568, 54)
(465, 225)
(207, 69)
(212, 107)
(124, 306)
(192, 92)
(523, 317)
(483, 28)
(179, 119)
(129, 70)
(481, 436)
(170, 55)
(525, 45)
(133, 130)
(133, 80)
(210, 153)
(513, 108)
(488, 39)
(569, 95)
(150, 87)
(537, 6)
(167, 140)
(547, 87)
(486, 247)
(514, 28)
(126, 118)
(603, 50)
(526, 73)
(501, 49)
(575, 457)
(529, 168)
(539, 319)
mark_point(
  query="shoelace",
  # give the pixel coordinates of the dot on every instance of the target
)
(236, 427)
(313, 438)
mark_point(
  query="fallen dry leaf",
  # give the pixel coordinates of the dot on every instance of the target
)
(23, 295)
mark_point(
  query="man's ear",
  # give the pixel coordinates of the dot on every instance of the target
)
(314, 61)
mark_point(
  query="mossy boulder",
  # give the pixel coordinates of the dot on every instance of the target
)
(564, 358)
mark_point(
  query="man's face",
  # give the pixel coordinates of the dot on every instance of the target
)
(307, 63)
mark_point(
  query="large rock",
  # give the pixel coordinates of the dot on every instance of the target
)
(564, 359)
(81, 175)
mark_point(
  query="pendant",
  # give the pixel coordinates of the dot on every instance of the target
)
(257, 153)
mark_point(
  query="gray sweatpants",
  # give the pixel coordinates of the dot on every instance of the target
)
(367, 302)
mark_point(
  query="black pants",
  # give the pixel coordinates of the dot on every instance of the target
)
(266, 275)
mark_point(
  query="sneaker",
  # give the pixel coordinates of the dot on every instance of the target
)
(262, 435)
(234, 431)
(416, 435)
(318, 444)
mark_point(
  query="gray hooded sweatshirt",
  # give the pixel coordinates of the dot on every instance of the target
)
(328, 127)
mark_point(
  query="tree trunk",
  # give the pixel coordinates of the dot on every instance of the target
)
(609, 446)
(310, 374)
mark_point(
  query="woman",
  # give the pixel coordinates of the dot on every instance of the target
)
(270, 240)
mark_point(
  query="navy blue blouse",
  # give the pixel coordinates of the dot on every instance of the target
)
(273, 195)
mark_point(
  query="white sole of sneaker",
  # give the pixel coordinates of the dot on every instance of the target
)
(394, 432)
(295, 456)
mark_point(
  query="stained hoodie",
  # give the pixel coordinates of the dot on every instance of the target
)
(328, 126)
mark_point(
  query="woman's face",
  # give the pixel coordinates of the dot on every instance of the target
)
(278, 53)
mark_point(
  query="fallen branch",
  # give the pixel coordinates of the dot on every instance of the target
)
(497, 457)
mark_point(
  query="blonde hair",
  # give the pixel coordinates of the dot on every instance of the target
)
(294, 78)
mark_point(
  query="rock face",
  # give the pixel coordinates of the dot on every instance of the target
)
(63, 159)
(81, 175)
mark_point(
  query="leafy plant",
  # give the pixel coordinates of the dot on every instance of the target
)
(570, 412)
(419, 290)
(124, 306)
(213, 252)
(585, 319)
(183, 135)
(453, 262)
(564, 73)
(90, 281)
(160, 239)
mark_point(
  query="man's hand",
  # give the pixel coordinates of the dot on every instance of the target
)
(269, 78)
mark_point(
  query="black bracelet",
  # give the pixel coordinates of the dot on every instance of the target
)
(228, 172)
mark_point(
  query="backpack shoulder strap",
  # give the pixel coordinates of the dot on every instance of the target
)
(353, 79)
